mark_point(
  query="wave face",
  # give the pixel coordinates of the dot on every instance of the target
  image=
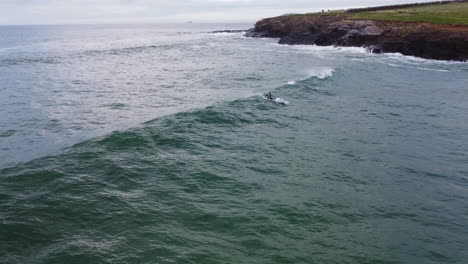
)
(62, 85)
(367, 164)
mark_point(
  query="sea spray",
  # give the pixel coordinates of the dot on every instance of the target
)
(321, 72)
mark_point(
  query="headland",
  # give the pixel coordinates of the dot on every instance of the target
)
(437, 30)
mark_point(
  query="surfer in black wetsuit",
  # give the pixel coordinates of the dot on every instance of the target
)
(270, 97)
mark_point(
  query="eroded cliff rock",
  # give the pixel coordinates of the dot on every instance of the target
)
(431, 41)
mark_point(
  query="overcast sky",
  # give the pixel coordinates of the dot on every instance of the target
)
(19, 12)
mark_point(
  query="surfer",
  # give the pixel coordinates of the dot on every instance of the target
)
(276, 99)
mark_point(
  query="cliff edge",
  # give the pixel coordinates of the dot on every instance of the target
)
(421, 39)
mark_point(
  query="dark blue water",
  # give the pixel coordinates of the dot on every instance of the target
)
(153, 144)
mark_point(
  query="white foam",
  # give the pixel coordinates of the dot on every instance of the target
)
(393, 65)
(416, 60)
(323, 50)
(428, 69)
(321, 72)
(398, 60)
(318, 49)
(280, 101)
(277, 100)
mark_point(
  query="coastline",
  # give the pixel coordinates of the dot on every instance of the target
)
(420, 39)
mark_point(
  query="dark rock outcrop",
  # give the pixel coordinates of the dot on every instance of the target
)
(229, 31)
(431, 41)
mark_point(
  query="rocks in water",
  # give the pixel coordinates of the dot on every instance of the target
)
(229, 31)
(374, 49)
(431, 41)
(254, 34)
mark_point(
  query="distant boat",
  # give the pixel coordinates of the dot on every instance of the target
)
(190, 22)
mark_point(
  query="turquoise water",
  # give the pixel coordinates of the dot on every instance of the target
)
(190, 164)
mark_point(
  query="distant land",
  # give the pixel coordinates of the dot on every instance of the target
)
(435, 30)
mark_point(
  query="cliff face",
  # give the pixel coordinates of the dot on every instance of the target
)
(431, 41)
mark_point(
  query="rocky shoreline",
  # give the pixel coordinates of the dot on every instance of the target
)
(425, 40)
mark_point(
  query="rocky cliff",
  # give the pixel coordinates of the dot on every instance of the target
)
(431, 41)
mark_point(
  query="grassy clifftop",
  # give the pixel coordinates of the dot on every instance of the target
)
(453, 13)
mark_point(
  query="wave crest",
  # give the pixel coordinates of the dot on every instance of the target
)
(321, 73)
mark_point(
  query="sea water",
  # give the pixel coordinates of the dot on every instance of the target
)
(155, 144)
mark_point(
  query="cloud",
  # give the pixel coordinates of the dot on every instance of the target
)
(117, 11)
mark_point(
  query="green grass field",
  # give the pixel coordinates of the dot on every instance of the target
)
(453, 13)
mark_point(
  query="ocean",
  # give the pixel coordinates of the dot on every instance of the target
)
(155, 144)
